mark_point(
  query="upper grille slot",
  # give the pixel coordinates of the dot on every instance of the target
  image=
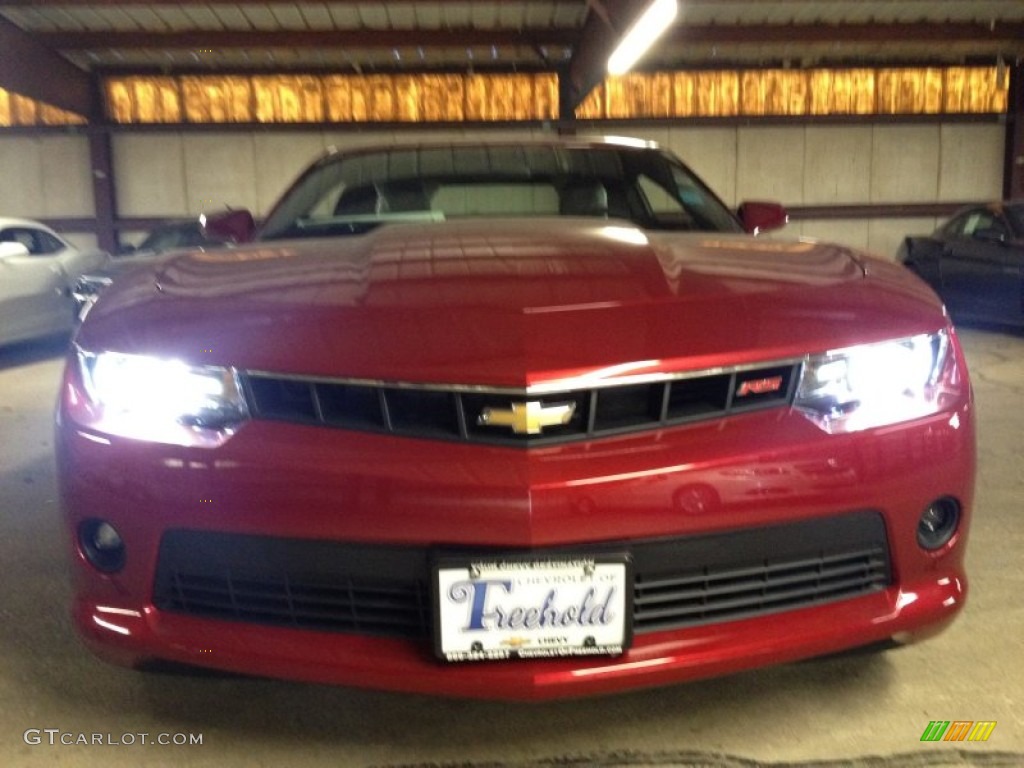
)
(454, 412)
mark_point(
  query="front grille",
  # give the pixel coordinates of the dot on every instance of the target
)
(384, 590)
(454, 412)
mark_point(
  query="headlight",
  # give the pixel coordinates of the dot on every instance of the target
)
(875, 384)
(160, 400)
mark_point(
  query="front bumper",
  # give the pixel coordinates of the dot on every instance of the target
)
(134, 637)
(741, 474)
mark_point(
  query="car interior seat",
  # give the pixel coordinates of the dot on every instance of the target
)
(358, 201)
(403, 197)
(584, 198)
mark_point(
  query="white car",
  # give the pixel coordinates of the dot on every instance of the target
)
(38, 268)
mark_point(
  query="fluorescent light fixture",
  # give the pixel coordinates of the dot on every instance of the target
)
(649, 27)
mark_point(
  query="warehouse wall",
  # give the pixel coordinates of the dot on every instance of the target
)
(185, 174)
(46, 176)
(177, 173)
(845, 165)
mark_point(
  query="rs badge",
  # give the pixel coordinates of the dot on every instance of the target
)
(760, 386)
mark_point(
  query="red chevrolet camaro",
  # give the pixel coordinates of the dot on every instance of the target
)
(518, 421)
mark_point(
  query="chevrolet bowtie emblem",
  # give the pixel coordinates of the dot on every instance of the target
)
(528, 418)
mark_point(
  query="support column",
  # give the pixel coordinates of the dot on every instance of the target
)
(103, 193)
(566, 106)
(1013, 174)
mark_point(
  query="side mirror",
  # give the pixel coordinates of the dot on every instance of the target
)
(760, 217)
(9, 250)
(231, 226)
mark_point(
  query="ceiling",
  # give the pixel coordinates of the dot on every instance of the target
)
(53, 48)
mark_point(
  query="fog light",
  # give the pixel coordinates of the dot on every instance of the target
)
(938, 523)
(102, 545)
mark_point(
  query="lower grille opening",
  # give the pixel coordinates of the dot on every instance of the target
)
(342, 606)
(385, 590)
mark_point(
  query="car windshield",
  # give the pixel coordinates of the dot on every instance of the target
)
(173, 236)
(353, 193)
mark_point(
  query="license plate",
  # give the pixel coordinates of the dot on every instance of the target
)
(532, 609)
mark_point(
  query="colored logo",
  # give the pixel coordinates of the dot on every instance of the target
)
(958, 730)
(760, 386)
(529, 418)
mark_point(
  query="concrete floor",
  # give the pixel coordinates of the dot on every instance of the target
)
(831, 711)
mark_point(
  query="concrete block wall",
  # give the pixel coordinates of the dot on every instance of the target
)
(177, 173)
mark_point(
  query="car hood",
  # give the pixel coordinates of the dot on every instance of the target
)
(125, 263)
(509, 303)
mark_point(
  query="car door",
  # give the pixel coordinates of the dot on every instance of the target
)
(981, 275)
(33, 287)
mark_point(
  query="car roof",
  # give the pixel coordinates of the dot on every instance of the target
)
(496, 140)
(998, 207)
(14, 222)
(1016, 205)
(503, 140)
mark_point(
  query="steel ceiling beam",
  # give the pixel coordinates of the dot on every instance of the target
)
(31, 69)
(289, 38)
(206, 3)
(592, 44)
(897, 32)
